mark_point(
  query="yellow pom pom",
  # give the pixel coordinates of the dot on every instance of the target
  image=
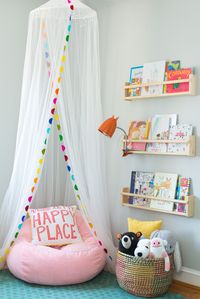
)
(91, 225)
(35, 180)
(61, 69)
(41, 161)
(2, 259)
(63, 58)
(38, 170)
(56, 117)
(7, 251)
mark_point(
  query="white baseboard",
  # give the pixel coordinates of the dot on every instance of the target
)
(188, 275)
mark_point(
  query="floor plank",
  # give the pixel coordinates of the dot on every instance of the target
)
(187, 290)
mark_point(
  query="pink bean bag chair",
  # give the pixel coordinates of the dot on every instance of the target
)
(75, 263)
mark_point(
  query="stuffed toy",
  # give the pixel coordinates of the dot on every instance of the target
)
(143, 248)
(171, 247)
(157, 250)
(165, 235)
(177, 258)
(128, 242)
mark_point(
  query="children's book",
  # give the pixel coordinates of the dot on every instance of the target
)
(179, 132)
(164, 187)
(173, 65)
(164, 205)
(144, 183)
(170, 66)
(138, 130)
(184, 187)
(136, 78)
(181, 208)
(177, 75)
(160, 127)
(183, 190)
(153, 72)
(132, 187)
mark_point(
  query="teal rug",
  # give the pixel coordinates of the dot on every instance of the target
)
(102, 287)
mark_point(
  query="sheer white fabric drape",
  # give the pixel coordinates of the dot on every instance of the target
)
(79, 108)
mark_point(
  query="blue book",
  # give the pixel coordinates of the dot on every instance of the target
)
(136, 78)
(132, 186)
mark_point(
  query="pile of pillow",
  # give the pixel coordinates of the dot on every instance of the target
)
(145, 239)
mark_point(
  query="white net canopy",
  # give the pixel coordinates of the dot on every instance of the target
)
(59, 115)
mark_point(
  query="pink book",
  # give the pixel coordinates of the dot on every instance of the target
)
(138, 130)
(136, 146)
(177, 75)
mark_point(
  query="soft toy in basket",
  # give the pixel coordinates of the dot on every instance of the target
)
(144, 268)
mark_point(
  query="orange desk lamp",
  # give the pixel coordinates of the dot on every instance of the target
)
(108, 128)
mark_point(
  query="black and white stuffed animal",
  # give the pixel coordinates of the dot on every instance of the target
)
(128, 242)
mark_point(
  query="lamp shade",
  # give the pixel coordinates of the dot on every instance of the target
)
(109, 126)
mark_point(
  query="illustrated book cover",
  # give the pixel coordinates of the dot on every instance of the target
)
(179, 132)
(160, 128)
(136, 78)
(138, 130)
(184, 187)
(144, 185)
(164, 187)
(177, 75)
(153, 72)
(183, 190)
(170, 66)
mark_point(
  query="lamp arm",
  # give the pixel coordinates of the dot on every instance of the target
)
(123, 131)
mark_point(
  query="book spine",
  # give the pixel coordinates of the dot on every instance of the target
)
(132, 186)
(181, 207)
(178, 188)
(148, 124)
(190, 186)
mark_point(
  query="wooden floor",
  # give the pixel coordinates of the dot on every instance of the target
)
(187, 290)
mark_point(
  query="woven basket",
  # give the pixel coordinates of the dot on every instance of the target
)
(143, 277)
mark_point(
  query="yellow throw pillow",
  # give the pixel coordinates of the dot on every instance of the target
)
(145, 227)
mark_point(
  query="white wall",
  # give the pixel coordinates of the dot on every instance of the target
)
(133, 32)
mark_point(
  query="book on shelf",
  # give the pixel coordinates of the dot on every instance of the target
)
(179, 132)
(153, 72)
(160, 128)
(170, 66)
(135, 78)
(178, 75)
(138, 130)
(132, 187)
(183, 190)
(144, 182)
(161, 187)
(164, 187)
